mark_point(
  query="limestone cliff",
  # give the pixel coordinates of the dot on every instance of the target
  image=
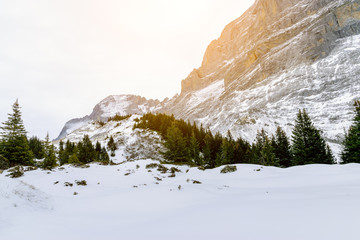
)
(274, 35)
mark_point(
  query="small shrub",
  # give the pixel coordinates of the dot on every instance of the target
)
(162, 168)
(16, 172)
(137, 166)
(201, 168)
(151, 165)
(81, 183)
(174, 170)
(172, 175)
(127, 174)
(158, 179)
(75, 193)
(56, 182)
(196, 182)
(228, 169)
(67, 184)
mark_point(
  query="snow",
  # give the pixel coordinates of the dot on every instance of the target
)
(306, 202)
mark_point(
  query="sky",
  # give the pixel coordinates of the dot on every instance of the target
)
(60, 58)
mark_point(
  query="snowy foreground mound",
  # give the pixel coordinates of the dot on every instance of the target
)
(128, 201)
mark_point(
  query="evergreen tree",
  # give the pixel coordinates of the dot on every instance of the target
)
(69, 150)
(226, 155)
(14, 145)
(175, 145)
(49, 161)
(73, 159)
(308, 146)
(242, 151)
(194, 150)
(37, 147)
(351, 151)
(281, 145)
(61, 155)
(97, 151)
(86, 151)
(104, 156)
(208, 161)
(263, 150)
(112, 146)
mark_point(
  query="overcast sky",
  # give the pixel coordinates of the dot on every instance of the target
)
(60, 58)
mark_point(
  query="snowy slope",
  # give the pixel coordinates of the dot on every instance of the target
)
(109, 107)
(132, 143)
(307, 202)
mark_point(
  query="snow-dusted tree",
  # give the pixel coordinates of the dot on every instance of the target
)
(14, 145)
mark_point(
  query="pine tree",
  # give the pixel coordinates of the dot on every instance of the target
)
(226, 155)
(281, 145)
(263, 150)
(14, 145)
(351, 151)
(97, 151)
(104, 156)
(308, 146)
(49, 161)
(37, 147)
(208, 161)
(112, 146)
(194, 150)
(86, 151)
(176, 149)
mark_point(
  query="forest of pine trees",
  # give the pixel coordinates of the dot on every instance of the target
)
(17, 149)
(187, 143)
(184, 143)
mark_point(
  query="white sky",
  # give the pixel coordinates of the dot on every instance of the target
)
(60, 58)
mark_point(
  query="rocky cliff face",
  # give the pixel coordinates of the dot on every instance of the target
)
(279, 56)
(274, 35)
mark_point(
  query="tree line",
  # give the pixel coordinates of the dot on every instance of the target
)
(17, 149)
(184, 142)
(188, 143)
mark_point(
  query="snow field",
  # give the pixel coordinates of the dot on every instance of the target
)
(305, 202)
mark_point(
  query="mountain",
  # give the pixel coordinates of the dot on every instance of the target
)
(278, 57)
(109, 107)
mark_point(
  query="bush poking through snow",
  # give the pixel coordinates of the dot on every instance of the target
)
(174, 170)
(67, 184)
(81, 183)
(228, 169)
(162, 168)
(16, 172)
(151, 165)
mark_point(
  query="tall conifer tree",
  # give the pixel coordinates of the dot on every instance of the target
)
(308, 146)
(14, 145)
(351, 152)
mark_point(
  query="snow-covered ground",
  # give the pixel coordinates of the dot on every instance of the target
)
(128, 202)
